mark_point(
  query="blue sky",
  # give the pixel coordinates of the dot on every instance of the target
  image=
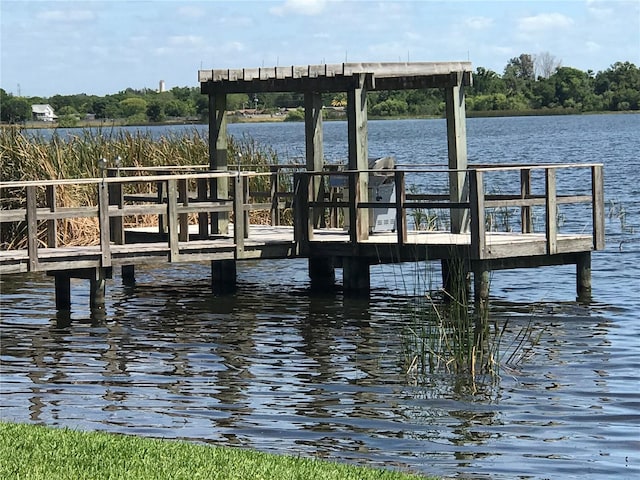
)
(102, 47)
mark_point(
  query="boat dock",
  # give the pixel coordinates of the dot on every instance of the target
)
(350, 216)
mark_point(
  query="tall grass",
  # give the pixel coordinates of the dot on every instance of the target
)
(30, 156)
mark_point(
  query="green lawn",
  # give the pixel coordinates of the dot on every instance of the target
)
(35, 452)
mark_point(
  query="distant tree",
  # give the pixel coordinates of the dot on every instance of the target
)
(14, 109)
(545, 65)
(155, 111)
(487, 81)
(519, 74)
(132, 106)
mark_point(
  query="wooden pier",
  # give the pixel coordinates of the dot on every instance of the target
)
(202, 213)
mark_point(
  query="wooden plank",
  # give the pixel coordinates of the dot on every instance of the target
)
(358, 152)
(183, 218)
(551, 212)
(32, 228)
(104, 224)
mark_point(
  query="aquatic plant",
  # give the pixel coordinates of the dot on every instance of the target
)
(30, 156)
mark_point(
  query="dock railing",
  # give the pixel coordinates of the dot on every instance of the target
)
(537, 192)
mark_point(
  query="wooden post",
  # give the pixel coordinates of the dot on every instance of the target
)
(481, 283)
(172, 220)
(314, 147)
(526, 218)
(223, 276)
(302, 226)
(476, 200)
(401, 213)
(116, 224)
(457, 147)
(356, 275)
(52, 231)
(129, 275)
(597, 188)
(32, 228)
(275, 189)
(63, 291)
(583, 277)
(183, 218)
(321, 272)
(203, 217)
(218, 158)
(551, 212)
(358, 157)
(97, 288)
(104, 224)
(239, 225)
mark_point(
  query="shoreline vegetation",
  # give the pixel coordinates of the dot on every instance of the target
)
(270, 118)
(45, 453)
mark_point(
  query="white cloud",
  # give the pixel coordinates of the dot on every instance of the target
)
(544, 21)
(478, 23)
(593, 47)
(66, 15)
(301, 7)
(191, 11)
(185, 40)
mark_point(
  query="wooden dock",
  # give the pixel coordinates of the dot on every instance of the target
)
(203, 213)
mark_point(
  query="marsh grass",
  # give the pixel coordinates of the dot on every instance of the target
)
(449, 336)
(31, 156)
(42, 453)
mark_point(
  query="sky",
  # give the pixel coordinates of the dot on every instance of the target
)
(102, 47)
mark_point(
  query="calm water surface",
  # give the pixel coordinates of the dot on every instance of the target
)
(277, 368)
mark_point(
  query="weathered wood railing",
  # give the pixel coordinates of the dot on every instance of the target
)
(36, 204)
(479, 202)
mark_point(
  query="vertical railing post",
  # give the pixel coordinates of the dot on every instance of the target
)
(238, 214)
(183, 218)
(597, 203)
(275, 188)
(401, 213)
(245, 202)
(526, 219)
(32, 228)
(172, 219)
(116, 198)
(551, 211)
(52, 230)
(476, 207)
(203, 217)
(103, 221)
(302, 230)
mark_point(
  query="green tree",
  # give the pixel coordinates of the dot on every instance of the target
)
(14, 109)
(133, 106)
(155, 111)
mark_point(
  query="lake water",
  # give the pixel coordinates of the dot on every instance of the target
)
(280, 369)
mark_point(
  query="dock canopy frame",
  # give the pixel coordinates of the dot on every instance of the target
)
(356, 79)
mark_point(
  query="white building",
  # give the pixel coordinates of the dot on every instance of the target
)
(43, 113)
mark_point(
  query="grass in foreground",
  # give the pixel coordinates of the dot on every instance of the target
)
(36, 452)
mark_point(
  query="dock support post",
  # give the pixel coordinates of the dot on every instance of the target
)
(223, 276)
(321, 272)
(481, 281)
(219, 187)
(129, 275)
(63, 292)
(356, 277)
(583, 277)
(98, 284)
(455, 279)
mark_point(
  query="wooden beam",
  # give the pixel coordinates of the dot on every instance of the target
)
(597, 188)
(358, 157)
(219, 187)
(476, 200)
(457, 148)
(551, 212)
(32, 228)
(314, 146)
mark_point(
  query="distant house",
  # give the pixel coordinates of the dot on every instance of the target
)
(44, 113)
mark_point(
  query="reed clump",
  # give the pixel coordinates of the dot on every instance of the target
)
(30, 156)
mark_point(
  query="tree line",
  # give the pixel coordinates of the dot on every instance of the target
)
(528, 84)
